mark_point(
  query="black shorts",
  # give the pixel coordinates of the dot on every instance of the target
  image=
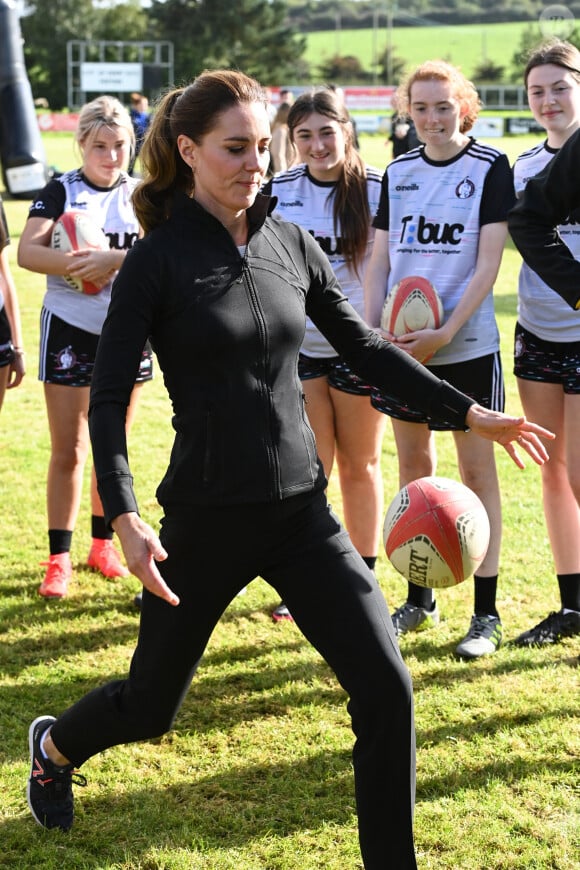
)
(481, 379)
(337, 373)
(6, 351)
(550, 362)
(67, 354)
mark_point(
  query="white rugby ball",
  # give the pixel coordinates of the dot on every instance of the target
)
(76, 231)
(412, 304)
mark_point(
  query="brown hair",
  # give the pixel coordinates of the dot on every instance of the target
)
(351, 211)
(439, 70)
(281, 116)
(557, 52)
(190, 111)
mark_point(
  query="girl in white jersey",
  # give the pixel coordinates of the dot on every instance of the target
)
(443, 216)
(547, 341)
(71, 323)
(333, 195)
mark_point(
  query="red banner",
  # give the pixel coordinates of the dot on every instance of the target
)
(355, 97)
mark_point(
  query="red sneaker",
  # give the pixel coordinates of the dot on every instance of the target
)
(58, 574)
(104, 557)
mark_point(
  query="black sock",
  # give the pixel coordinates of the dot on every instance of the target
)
(485, 592)
(569, 591)
(59, 541)
(99, 529)
(419, 596)
(370, 561)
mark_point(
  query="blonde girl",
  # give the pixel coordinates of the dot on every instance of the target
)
(71, 322)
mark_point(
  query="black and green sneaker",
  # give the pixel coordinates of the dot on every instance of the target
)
(483, 637)
(552, 629)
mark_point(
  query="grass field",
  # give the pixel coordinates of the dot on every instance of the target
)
(463, 45)
(256, 774)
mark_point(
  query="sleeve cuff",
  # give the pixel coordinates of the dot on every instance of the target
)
(117, 495)
(450, 405)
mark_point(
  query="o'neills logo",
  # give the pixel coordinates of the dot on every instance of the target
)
(418, 568)
(407, 186)
(292, 204)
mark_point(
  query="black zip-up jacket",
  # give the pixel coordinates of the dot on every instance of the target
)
(227, 330)
(551, 198)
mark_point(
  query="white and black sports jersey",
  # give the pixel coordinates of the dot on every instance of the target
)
(307, 202)
(433, 212)
(112, 211)
(540, 309)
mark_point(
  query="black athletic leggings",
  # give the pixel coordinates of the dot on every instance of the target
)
(300, 548)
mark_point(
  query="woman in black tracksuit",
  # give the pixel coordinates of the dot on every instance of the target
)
(222, 289)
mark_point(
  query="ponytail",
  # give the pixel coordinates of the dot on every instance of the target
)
(165, 173)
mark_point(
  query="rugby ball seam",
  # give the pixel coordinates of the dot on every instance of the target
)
(412, 304)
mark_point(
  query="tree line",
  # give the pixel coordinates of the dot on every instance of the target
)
(314, 15)
(265, 38)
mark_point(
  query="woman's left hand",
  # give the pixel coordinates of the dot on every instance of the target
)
(510, 432)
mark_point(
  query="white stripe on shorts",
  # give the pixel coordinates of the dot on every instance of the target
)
(497, 385)
(45, 318)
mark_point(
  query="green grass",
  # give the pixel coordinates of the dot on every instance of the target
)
(256, 774)
(60, 150)
(465, 46)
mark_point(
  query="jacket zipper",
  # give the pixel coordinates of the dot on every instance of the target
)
(264, 388)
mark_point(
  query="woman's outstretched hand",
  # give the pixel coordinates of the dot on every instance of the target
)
(510, 432)
(142, 549)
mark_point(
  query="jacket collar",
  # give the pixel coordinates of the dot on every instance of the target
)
(262, 207)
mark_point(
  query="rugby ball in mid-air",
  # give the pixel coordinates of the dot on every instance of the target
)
(413, 303)
(436, 532)
(75, 231)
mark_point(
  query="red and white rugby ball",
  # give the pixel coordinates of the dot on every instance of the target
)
(436, 532)
(413, 303)
(76, 231)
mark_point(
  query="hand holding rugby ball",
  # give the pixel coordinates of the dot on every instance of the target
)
(75, 231)
(412, 304)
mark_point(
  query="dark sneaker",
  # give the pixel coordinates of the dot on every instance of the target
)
(407, 617)
(49, 789)
(281, 613)
(484, 637)
(552, 629)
